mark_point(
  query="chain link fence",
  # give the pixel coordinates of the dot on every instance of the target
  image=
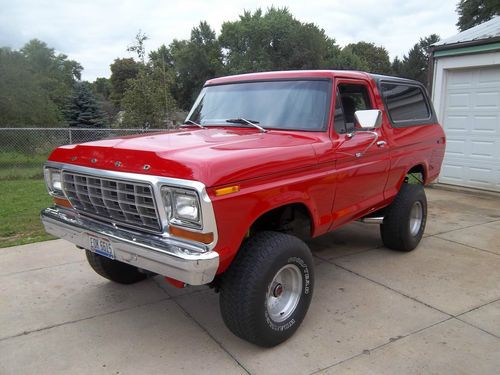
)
(24, 150)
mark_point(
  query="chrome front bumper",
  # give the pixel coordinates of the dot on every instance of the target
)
(165, 256)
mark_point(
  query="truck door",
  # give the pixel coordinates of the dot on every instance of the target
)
(362, 157)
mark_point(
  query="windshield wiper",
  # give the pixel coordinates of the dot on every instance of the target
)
(241, 120)
(187, 122)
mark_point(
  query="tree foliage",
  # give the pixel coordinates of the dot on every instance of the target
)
(274, 40)
(474, 12)
(34, 84)
(41, 87)
(23, 102)
(139, 47)
(82, 110)
(397, 66)
(53, 72)
(415, 65)
(375, 59)
(193, 62)
(101, 88)
(148, 102)
(122, 70)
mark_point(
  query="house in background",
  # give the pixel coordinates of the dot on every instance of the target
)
(466, 95)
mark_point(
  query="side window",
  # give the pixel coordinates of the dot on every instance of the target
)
(405, 102)
(354, 98)
(338, 116)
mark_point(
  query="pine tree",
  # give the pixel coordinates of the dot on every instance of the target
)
(415, 65)
(397, 66)
(82, 110)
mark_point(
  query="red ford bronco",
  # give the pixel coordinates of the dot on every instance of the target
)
(263, 162)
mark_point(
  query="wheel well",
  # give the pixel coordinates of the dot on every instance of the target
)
(293, 218)
(416, 175)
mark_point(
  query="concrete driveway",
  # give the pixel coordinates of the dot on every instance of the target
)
(434, 310)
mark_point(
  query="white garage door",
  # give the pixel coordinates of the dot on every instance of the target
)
(472, 124)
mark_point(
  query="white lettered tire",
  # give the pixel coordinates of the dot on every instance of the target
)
(266, 292)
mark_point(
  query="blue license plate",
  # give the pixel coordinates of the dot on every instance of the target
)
(101, 246)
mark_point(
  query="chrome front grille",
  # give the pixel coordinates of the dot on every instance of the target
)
(123, 202)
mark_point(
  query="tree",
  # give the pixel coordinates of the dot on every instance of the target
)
(82, 110)
(147, 101)
(122, 70)
(34, 84)
(44, 61)
(193, 61)
(344, 59)
(139, 46)
(23, 102)
(101, 87)
(376, 59)
(274, 41)
(415, 65)
(474, 12)
(397, 67)
(53, 72)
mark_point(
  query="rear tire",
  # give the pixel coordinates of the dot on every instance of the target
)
(266, 292)
(405, 219)
(114, 270)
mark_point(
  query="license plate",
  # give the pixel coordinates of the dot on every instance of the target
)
(101, 246)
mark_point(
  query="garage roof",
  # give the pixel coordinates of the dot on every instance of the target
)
(486, 30)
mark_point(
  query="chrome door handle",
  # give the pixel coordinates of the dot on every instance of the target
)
(381, 143)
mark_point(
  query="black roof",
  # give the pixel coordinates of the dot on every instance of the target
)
(380, 77)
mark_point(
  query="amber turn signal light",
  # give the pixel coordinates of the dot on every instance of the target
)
(193, 236)
(227, 190)
(62, 202)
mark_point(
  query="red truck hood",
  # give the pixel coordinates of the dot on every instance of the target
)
(213, 156)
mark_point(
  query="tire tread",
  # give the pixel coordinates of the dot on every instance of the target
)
(394, 231)
(246, 269)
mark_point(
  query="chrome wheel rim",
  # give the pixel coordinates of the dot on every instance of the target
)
(416, 218)
(284, 292)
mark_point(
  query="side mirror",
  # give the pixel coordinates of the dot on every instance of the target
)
(369, 119)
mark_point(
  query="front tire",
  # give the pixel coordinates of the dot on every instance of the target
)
(405, 219)
(114, 270)
(266, 292)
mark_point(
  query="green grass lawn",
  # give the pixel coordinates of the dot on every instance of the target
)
(14, 165)
(20, 204)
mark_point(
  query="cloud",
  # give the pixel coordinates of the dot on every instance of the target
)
(96, 32)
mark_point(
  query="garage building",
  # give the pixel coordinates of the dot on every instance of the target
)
(466, 95)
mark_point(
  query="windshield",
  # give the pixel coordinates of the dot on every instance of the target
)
(299, 105)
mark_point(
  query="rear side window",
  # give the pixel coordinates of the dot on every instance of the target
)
(405, 103)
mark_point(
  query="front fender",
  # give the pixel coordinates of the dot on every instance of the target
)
(235, 213)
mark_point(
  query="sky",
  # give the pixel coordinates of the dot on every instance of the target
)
(95, 32)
